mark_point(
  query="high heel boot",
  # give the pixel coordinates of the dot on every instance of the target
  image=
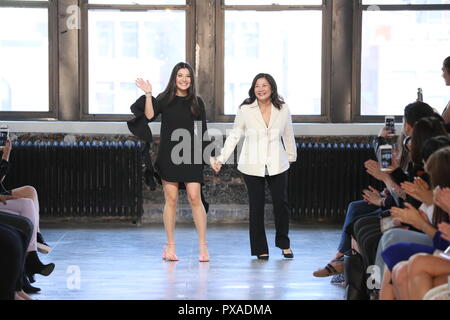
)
(33, 265)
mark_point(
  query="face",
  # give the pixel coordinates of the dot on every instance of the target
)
(446, 76)
(263, 90)
(407, 129)
(183, 80)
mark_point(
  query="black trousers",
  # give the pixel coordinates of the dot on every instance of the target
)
(16, 232)
(12, 254)
(278, 186)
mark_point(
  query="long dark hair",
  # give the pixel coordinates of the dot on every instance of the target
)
(276, 100)
(170, 92)
(447, 64)
(423, 130)
(438, 167)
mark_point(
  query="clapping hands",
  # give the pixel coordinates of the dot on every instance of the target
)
(442, 198)
(419, 190)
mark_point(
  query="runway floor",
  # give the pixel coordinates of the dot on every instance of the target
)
(104, 262)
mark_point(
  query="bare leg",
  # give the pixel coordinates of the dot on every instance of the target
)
(169, 214)
(193, 190)
(387, 289)
(400, 280)
(30, 193)
(425, 271)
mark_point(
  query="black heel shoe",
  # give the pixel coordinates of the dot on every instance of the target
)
(33, 265)
(263, 257)
(288, 255)
(27, 287)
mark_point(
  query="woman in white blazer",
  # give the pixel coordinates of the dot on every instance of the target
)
(269, 147)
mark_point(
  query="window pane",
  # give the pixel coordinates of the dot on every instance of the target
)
(382, 2)
(24, 71)
(138, 2)
(124, 46)
(272, 2)
(401, 52)
(286, 45)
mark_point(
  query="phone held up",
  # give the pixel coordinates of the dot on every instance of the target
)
(390, 125)
(385, 157)
(4, 136)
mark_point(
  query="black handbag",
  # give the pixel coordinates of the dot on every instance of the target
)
(354, 272)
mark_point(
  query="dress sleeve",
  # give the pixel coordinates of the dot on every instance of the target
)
(206, 139)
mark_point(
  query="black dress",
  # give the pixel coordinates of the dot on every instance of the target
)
(187, 164)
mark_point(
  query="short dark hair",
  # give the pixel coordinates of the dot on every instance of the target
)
(416, 111)
(433, 144)
(424, 129)
(447, 64)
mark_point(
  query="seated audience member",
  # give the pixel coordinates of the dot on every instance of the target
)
(21, 192)
(15, 235)
(396, 256)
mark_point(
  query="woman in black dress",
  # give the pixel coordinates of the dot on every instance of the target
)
(182, 115)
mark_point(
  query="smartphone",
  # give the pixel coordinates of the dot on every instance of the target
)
(385, 157)
(4, 135)
(420, 95)
(390, 125)
(388, 222)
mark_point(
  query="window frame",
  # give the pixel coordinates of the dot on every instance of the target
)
(189, 7)
(53, 89)
(357, 53)
(219, 114)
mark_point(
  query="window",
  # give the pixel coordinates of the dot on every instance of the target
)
(285, 42)
(402, 49)
(125, 43)
(24, 58)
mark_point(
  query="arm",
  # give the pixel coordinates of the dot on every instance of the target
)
(151, 109)
(233, 138)
(289, 139)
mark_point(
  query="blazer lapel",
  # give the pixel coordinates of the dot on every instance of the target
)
(257, 113)
(273, 115)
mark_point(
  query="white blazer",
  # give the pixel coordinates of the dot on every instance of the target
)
(263, 146)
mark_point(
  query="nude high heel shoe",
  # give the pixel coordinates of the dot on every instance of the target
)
(202, 257)
(169, 256)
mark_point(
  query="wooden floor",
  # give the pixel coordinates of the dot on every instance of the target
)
(103, 262)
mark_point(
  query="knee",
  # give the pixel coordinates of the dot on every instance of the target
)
(29, 192)
(171, 201)
(400, 273)
(194, 200)
(416, 263)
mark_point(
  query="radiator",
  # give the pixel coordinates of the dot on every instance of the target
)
(80, 179)
(326, 178)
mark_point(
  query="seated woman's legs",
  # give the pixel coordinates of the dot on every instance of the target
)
(397, 235)
(426, 272)
(355, 210)
(11, 263)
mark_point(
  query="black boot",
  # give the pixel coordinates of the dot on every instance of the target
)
(33, 265)
(355, 275)
(27, 287)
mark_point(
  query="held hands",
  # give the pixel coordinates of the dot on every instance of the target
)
(442, 198)
(216, 165)
(373, 196)
(419, 190)
(410, 215)
(4, 198)
(144, 85)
